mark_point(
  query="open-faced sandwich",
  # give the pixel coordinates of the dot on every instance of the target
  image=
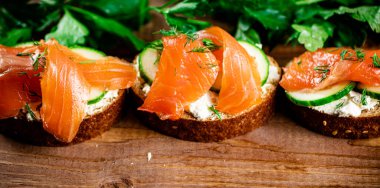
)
(205, 86)
(53, 95)
(335, 91)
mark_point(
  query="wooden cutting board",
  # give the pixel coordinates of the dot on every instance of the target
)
(279, 154)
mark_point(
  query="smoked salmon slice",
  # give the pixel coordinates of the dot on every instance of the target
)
(326, 67)
(64, 94)
(183, 76)
(240, 80)
(18, 80)
(59, 80)
(109, 73)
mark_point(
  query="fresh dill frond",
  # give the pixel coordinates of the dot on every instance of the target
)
(208, 43)
(363, 98)
(216, 112)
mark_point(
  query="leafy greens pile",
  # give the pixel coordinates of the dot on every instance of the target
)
(313, 23)
(97, 23)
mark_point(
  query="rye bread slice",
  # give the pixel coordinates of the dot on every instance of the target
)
(365, 126)
(211, 130)
(32, 132)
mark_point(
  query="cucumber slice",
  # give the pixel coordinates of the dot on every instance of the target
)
(321, 97)
(372, 91)
(147, 62)
(88, 53)
(96, 95)
(260, 58)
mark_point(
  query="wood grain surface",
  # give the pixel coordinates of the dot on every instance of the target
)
(280, 154)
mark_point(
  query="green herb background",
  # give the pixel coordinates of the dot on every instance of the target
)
(109, 24)
(101, 24)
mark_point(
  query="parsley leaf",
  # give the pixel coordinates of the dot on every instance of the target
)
(69, 31)
(314, 36)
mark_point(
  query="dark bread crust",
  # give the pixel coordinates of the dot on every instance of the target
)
(192, 129)
(32, 132)
(212, 130)
(333, 125)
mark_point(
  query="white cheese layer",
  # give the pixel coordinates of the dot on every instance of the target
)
(103, 104)
(349, 105)
(200, 109)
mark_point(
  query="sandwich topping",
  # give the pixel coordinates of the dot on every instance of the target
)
(341, 81)
(54, 84)
(209, 76)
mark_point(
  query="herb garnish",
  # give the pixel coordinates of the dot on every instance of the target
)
(171, 32)
(299, 62)
(36, 43)
(30, 112)
(339, 105)
(36, 62)
(363, 98)
(342, 54)
(360, 54)
(323, 69)
(376, 61)
(208, 43)
(190, 37)
(216, 112)
(201, 49)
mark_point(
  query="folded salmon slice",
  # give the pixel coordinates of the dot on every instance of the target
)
(326, 67)
(64, 94)
(183, 77)
(240, 80)
(19, 80)
(64, 85)
(109, 73)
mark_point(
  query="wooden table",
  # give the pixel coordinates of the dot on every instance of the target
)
(279, 154)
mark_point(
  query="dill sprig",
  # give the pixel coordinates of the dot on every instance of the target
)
(201, 49)
(171, 32)
(360, 54)
(36, 43)
(338, 106)
(346, 55)
(208, 43)
(363, 98)
(216, 112)
(322, 69)
(342, 54)
(30, 112)
(190, 37)
(376, 61)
